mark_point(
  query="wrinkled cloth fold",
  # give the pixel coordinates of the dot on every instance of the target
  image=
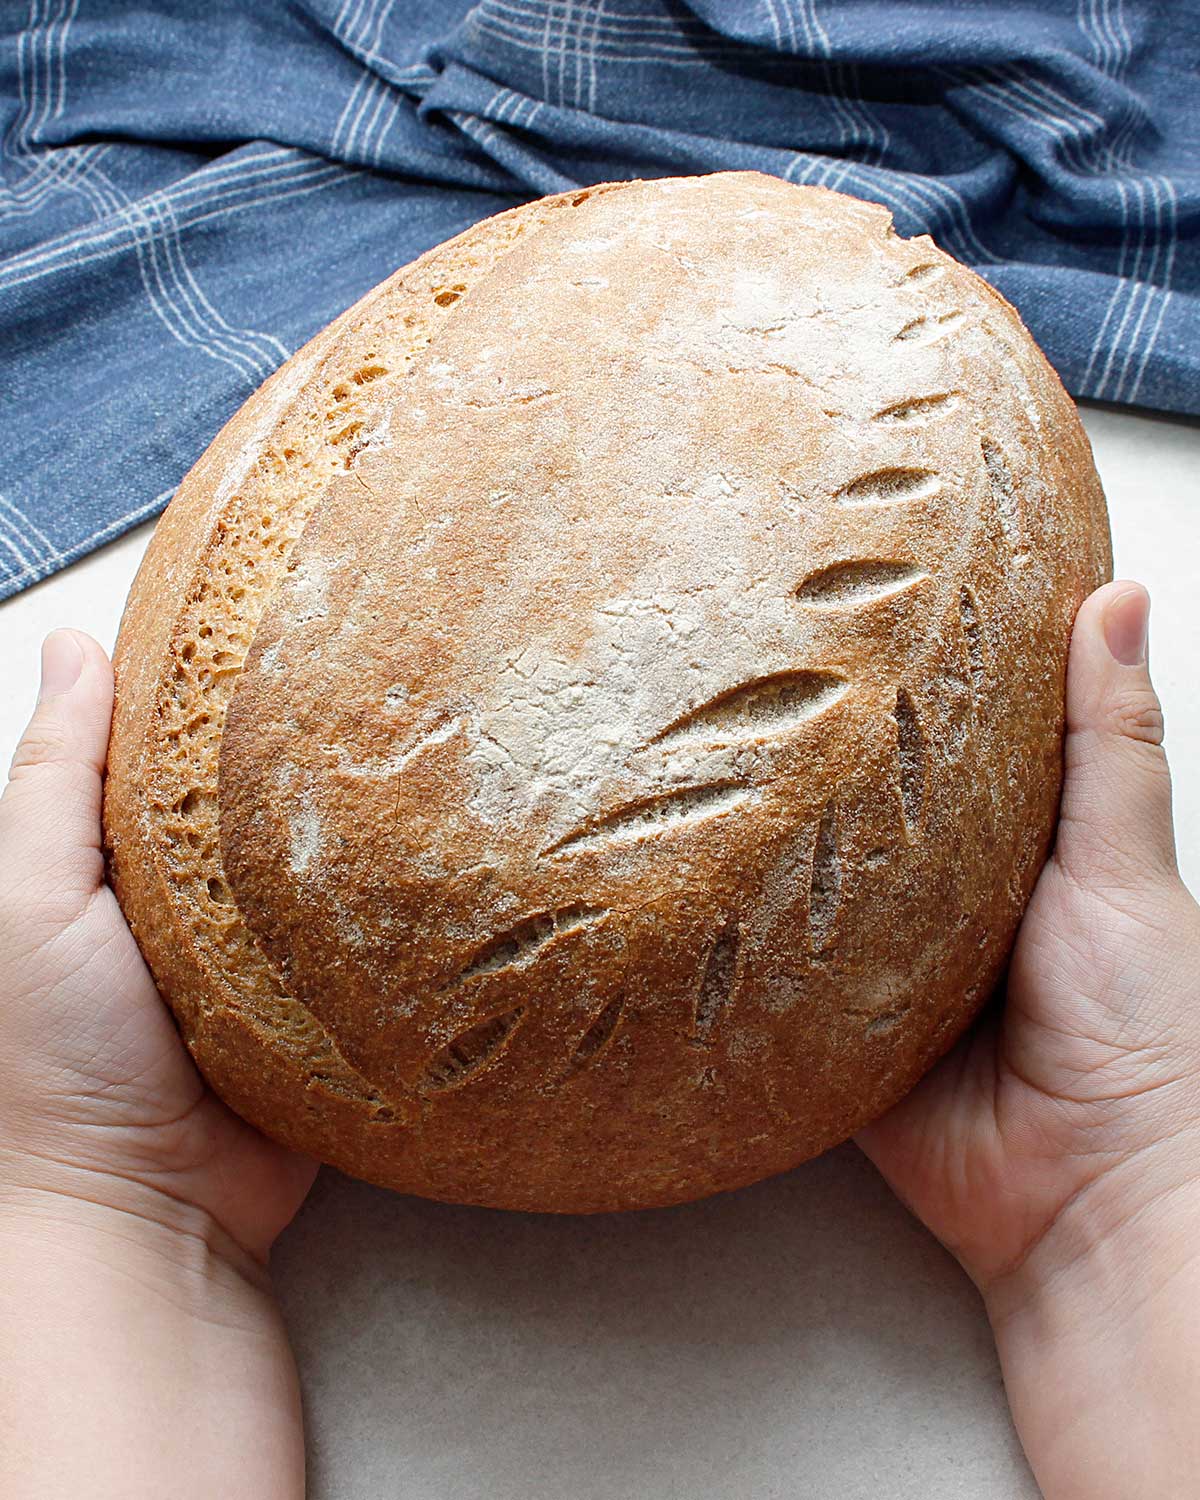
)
(187, 193)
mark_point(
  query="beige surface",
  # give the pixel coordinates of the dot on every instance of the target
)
(803, 1338)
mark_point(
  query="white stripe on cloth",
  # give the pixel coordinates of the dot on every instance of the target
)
(58, 168)
(152, 228)
(684, 40)
(529, 17)
(11, 582)
(1106, 29)
(558, 48)
(360, 32)
(545, 31)
(160, 281)
(210, 193)
(501, 149)
(192, 312)
(597, 15)
(18, 532)
(12, 539)
(1082, 137)
(23, 524)
(618, 39)
(508, 107)
(1153, 287)
(18, 554)
(585, 54)
(925, 198)
(842, 82)
(41, 47)
(172, 291)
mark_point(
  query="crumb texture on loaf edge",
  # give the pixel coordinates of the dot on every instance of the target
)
(250, 540)
(217, 553)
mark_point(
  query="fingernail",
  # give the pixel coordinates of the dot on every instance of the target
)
(1126, 626)
(62, 662)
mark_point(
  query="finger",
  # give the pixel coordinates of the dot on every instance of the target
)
(1115, 827)
(50, 810)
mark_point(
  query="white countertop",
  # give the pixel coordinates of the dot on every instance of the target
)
(802, 1338)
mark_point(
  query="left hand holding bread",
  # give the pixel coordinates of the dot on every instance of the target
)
(136, 1211)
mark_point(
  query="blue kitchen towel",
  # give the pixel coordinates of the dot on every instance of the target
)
(188, 190)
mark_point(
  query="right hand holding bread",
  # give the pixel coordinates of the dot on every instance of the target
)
(1056, 1151)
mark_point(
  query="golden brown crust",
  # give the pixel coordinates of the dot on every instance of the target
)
(589, 726)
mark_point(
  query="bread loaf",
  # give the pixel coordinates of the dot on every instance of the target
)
(589, 726)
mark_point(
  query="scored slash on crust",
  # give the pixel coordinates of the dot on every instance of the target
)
(651, 816)
(929, 330)
(860, 581)
(825, 887)
(916, 410)
(766, 707)
(597, 1039)
(468, 1052)
(718, 979)
(910, 755)
(891, 486)
(524, 941)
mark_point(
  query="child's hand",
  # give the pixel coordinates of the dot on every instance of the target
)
(143, 1352)
(1056, 1152)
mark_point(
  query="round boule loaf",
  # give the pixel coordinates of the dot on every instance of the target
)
(588, 727)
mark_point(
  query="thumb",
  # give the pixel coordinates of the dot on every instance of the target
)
(50, 810)
(1115, 827)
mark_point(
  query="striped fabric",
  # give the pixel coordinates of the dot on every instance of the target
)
(188, 191)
